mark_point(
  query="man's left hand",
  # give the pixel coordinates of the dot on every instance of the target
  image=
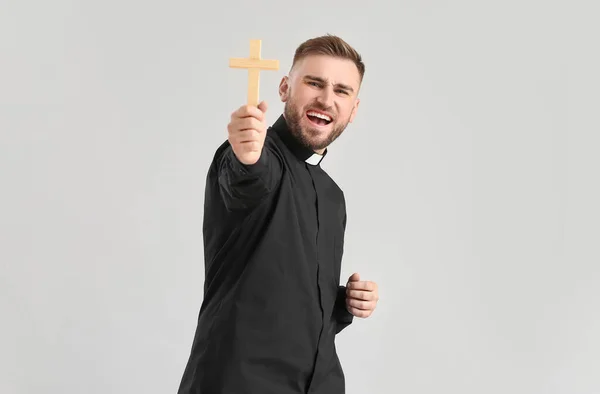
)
(361, 296)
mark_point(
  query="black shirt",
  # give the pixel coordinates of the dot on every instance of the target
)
(273, 303)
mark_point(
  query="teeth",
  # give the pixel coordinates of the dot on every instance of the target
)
(319, 115)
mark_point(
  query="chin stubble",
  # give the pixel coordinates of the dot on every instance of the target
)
(293, 121)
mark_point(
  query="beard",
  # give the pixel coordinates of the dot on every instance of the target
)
(311, 137)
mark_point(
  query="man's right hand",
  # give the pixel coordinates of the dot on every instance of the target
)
(247, 130)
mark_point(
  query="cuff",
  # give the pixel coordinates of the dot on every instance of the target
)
(342, 316)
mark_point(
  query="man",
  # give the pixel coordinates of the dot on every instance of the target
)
(274, 225)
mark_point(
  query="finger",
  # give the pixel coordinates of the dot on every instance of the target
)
(263, 106)
(354, 277)
(359, 312)
(362, 295)
(246, 135)
(247, 123)
(250, 135)
(362, 285)
(360, 304)
(250, 146)
(248, 111)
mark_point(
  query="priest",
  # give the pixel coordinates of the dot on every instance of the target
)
(274, 225)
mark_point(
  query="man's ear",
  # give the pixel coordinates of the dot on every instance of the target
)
(354, 109)
(284, 87)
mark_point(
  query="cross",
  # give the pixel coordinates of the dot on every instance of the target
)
(254, 64)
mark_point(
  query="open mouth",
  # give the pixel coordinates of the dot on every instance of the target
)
(318, 118)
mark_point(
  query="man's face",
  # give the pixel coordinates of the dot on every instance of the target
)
(320, 98)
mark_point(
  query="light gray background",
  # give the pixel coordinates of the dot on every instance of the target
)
(471, 175)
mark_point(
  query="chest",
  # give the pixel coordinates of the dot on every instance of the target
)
(318, 204)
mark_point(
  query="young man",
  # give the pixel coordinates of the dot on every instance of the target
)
(274, 225)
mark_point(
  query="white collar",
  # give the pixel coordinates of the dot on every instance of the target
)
(314, 159)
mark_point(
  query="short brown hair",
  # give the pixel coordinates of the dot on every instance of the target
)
(330, 45)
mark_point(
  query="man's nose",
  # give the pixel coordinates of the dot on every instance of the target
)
(326, 97)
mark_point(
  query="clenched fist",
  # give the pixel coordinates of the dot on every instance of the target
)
(361, 296)
(247, 130)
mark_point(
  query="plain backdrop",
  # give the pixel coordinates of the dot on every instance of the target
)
(471, 175)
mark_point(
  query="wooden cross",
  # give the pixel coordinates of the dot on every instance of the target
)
(254, 64)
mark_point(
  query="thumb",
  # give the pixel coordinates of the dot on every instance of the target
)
(355, 277)
(263, 106)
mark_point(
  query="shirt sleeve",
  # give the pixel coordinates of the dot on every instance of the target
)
(343, 318)
(243, 186)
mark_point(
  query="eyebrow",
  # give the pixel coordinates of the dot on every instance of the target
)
(323, 80)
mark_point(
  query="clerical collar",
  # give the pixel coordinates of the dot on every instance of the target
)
(300, 151)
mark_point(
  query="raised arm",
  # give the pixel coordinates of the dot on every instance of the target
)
(248, 170)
